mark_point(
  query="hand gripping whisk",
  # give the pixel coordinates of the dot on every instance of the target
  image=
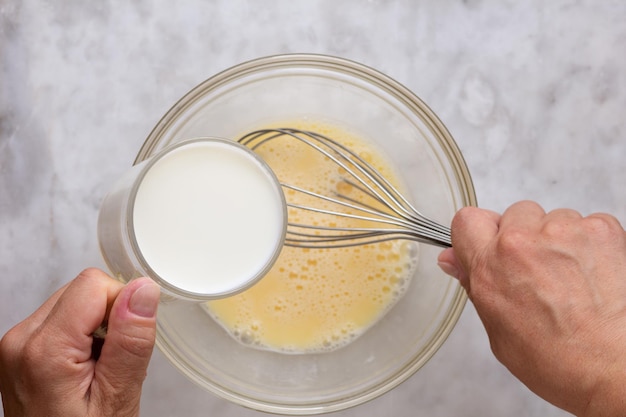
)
(365, 208)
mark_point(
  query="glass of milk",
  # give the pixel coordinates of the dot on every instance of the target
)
(205, 218)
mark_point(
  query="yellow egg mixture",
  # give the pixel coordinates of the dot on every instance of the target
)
(316, 300)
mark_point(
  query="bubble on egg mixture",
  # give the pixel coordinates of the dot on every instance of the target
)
(318, 300)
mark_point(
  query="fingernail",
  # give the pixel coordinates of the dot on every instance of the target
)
(449, 269)
(145, 300)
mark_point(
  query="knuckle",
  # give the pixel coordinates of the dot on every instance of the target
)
(89, 274)
(513, 242)
(528, 205)
(10, 346)
(603, 224)
(561, 224)
(24, 353)
(564, 213)
(556, 229)
(464, 216)
(19, 345)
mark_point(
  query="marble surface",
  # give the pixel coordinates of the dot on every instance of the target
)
(534, 93)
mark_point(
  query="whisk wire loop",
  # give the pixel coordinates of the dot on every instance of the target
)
(396, 218)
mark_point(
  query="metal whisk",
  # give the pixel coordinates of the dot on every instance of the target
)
(375, 211)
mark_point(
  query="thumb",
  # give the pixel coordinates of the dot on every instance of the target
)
(121, 367)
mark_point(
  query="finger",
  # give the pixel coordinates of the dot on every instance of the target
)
(604, 229)
(448, 262)
(35, 320)
(79, 310)
(472, 230)
(523, 216)
(559, 223)
(609, 219)
(126, 352)
(562, 214)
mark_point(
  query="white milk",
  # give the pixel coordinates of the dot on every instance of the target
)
(209, 217)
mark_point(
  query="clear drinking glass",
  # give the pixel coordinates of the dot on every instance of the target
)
(129, 255)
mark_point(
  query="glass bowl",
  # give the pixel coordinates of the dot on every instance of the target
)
(333, 90)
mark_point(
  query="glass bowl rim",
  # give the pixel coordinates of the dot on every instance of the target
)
(445, 141)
